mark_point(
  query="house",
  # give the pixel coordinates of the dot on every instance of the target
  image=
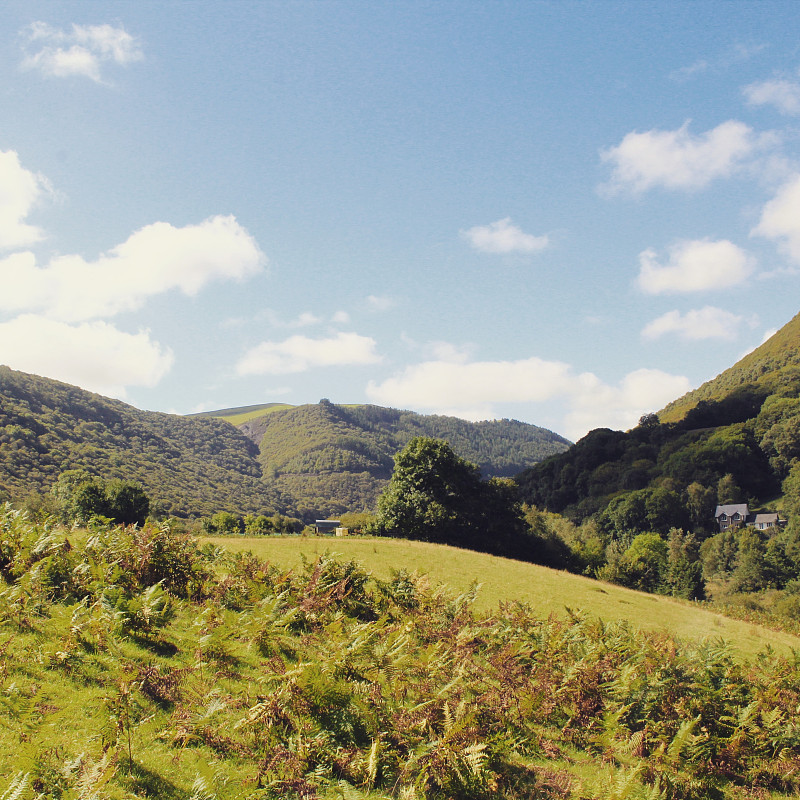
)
(326, 525)
(762, 521)
(731, 516)
(735, 515)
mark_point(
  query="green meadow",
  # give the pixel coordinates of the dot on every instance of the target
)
(547, 591)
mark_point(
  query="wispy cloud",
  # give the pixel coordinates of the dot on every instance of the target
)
(301, 353)
(703, 323)
(677, 159)
(503, 237)
(781, 93)
(80, 51)
(736, 54)
(376, 303)
(694, 266)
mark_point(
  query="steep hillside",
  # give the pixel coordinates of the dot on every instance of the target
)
(189, 466)
(769, 369)
(736, 438)
(343, 455)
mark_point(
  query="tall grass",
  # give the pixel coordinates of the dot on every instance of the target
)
(134, 663)
(547, 591)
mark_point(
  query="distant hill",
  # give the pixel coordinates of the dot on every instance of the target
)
(312, 460)
(339, 457)
(742, 427)
(189, 466)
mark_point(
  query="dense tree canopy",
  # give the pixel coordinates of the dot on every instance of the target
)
(436, 496)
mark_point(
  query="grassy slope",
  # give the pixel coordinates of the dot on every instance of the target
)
(547, 591)
(240, 414)
(780, 353)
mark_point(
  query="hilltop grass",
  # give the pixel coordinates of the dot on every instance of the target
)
(547, 591)
(236, 417)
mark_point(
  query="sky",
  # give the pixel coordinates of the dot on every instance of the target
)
(565, 213)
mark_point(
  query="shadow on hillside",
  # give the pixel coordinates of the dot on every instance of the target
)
(145, 783)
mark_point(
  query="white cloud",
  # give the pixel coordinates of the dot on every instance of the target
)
(780, 218)
(620, 407)
(780, 93)
(300, 353)
(94, 355)
(704, 323)
(471, 390)
(378, 304)
(304, 320)
(20, 190)
(155, 259)
(677, 159)
(445, 351)
(340, 318)
(694, 266)
(80, 51)
(504, 237)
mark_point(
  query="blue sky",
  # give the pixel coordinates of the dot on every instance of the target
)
(564, 213)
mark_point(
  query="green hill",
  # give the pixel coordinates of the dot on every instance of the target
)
(772, 368)
(742, 427)
(338, 458)
(502, 580)
(188, 466)
(313, 460)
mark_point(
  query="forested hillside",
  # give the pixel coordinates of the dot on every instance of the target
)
(340, 457)
(742, 428)
(187, 466)
(307, 461)
(645, 500)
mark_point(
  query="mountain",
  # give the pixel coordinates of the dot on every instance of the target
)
(734, 438)
(312, 460)
(188, 466)
(340, 457)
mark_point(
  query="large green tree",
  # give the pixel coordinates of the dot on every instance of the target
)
(436, 496)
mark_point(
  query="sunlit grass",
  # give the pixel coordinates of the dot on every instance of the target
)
(548, 591)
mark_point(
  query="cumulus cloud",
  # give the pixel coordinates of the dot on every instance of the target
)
(155, 259)
(677, 159)
(704, 323)
(784, 95)
(694, 266)
(300, 353)
(504, 237)
(471, 390)
(94, 355)
(79, 51)
(780, 219)
(20, 190)
(620, 407)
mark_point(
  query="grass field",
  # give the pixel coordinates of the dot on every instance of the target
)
(547, 591)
